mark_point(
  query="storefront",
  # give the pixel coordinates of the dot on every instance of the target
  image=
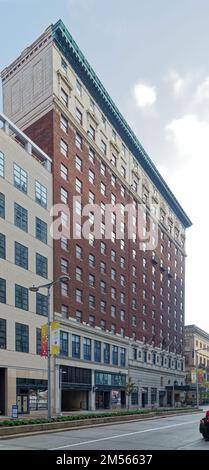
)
(31, 395)
(75, 388)
(109, 390)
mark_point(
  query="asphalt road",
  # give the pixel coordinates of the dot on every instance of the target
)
(178, 433)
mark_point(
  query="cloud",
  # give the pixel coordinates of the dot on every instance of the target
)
(191, 136)
(202, 93)
(144, 95)
(178, 82)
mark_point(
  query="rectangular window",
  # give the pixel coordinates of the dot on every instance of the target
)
(2, 291)
(64, 172)
(20, 217)
(79, 252)
(63, 195)
(76, 346)
(78, 316)
(91, 177)
(41, 304)
(63, 343)
(2, 163)
(38, 341)
(106, 353)
(78, 87)
(91, 132)
(64, 97)
(79, 296)
(122, 357)
(21, 297)
(78, 141)
(64, 243)
(64, 311)
(103, 189)
(64, 288)
(63, 148)
(41, 230)
(20, 178)
(87, 349)
(97, 351)
(2, 246)
(2, 205)
(78, 116)
(41, 194)
(78, 186)
(41, 265)
(78, 163)
(22, 337)
(21, 255)
(115, 355)
(64, 266)
(3, 337)
(78, 273)
(103, 147)
(91, 156)
(64, 123)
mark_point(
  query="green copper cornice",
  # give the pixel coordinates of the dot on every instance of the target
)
(70, 49)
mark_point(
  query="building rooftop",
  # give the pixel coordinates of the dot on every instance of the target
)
(22, 139)
(196, 330)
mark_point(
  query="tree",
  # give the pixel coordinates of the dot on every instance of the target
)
(129, 388)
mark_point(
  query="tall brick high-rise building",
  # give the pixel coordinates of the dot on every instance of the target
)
(123, 314)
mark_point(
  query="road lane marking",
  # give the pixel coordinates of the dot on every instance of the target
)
(124, 435)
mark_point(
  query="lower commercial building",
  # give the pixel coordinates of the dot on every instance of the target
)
(197, 364)
(25, 260)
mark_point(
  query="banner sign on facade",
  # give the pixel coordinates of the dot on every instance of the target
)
(44, 340)
(55, 338)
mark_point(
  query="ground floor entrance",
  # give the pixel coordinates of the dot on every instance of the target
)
(74, 400)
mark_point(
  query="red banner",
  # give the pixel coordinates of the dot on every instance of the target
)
(44, 340)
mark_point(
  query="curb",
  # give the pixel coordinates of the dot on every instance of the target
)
(71, 426)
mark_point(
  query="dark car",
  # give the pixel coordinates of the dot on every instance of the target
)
(204, 428)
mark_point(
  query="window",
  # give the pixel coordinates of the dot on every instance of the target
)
(2, 205)
(122, 297)
(91, 177)
(103, 325)
(41, 304)
(38, 341)
(113, 293)
(79, 116)
(78, 252)
(133, 320)
(79, 273)
(91, 132)
(97, 351)
(21, 255)
(64, 266)
(64, 289)
(122, 191)
(102, 306)
(64, 97)
(78, 207)
(91, 155)
(106, 353)
(113, 274)
(21, 297)
(64, 311)
(79, 295)
(63, 343)
(122, 262)
(22, 337)
(64, 243)
(91, 260)
(113, 160)
(20, 178)
(91, 280)
(78, 87)
(78, 186)
(103, 287)
(78, 316)
(41, 265)
(134, 270)
(41, 194)
(78, 141)
(113, 135)
(64, 172)
(103, 169)
(64, 123)
(2, 291)
(103, 189)
(78, 163)
(104, 122)
(76, 346)
(3, 338)
(113, 180)
(123, 172)
(134, 304)
(115, 355)
(63, 195)
(113, 199)
(122, 280)
(41, 230)
(91, 198)
(113, 311)
(102, 267)
(134, 287)
(2, 246)
(87, 349)
(2, 162)
(103, 248)
(63, 147)
(20, 217)
(91, 320)
(103, 147)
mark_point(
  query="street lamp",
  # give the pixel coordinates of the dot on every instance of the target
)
(48, 286)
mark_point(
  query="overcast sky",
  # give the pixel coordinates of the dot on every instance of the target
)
(152, 56)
